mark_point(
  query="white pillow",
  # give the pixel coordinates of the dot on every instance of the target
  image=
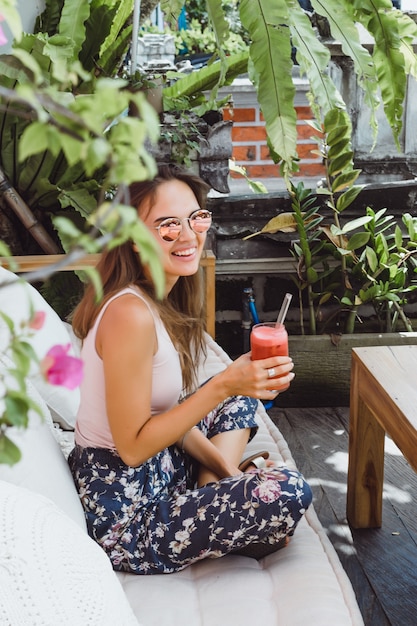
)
(42, 467)
(51, 572)
(15, 301)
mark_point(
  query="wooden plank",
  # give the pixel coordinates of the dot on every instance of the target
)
(381, 565)
(30, 263)
(315, 436)
(208, 263)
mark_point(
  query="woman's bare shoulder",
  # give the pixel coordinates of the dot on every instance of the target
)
(126, 315)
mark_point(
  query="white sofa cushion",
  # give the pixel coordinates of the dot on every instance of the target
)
(51, 572)
(304, 583)
(301, 584)
(42, 468)
(16, 298)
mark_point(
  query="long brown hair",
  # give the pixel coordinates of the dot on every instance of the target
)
(182, 310)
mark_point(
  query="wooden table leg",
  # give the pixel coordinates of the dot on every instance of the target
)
(366, 462)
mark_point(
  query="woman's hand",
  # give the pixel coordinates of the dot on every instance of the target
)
(253, 378)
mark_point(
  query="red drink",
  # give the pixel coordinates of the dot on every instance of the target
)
(268, 340)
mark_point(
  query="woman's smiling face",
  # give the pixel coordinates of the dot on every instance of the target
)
(181, 257)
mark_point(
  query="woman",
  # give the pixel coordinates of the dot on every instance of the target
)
(156, 460)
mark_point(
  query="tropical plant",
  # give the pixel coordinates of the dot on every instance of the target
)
(57, 367)
(73, 49)
(276, 29)
(365, 260)
(65, 136)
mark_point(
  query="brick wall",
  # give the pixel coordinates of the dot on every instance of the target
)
(250, 148)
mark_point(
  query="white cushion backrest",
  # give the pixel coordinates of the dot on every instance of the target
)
(16, 296)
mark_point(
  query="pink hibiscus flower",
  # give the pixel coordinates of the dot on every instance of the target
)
(37, 320)
(3, 38)
(60, 368)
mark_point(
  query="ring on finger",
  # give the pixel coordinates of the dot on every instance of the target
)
(271, 372)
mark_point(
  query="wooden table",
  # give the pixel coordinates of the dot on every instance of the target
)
(383, 399)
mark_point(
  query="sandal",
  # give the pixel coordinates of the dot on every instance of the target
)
(257, 460)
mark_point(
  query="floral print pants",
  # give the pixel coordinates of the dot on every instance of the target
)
(151, 519)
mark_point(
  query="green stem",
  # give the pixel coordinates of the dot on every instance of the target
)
(311, 311)
(351, 319)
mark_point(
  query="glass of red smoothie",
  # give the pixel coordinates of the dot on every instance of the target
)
(269, 339)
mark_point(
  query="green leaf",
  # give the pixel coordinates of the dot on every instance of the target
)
(72, 23)
(72, 148)
(340, 163)
(346, 198)
(16, 409)
(271, 72)
(150, 255)
(398, 235)
(345, 31)
(9, 452)
(8, 320)
(205, 79)
(120, 31)
(80, 198)
(314, 58)
(387, 57)
(351, 225)
(92, 275)
(172, 8)
(372, 259)
(38, 138)
(408, 31)
(218, 21)
(30, 63)
(358, 240)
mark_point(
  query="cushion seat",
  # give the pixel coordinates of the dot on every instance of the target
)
(45, 551)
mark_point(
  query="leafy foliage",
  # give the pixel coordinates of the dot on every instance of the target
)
(277, 29)
(14, 400)
(366, 260)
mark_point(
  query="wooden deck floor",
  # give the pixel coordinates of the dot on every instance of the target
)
(381, 563)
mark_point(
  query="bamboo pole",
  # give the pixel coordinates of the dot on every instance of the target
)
(25, 215)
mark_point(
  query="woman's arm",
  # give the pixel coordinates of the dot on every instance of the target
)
(126, 342)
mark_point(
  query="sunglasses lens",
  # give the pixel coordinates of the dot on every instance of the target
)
(170, 229)
(200, 221)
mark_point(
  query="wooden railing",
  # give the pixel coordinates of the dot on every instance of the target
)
(32, 263)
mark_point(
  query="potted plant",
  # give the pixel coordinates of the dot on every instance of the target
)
(342, 266)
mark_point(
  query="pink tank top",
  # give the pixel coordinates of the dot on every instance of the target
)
(92, 425)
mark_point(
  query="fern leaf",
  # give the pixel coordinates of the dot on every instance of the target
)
(204, 79)
(110, 59)
(389, 61)
(48, 20)
(271, 72)
(97, 29)
(345, 31)
(122, 15)
(408, 29)
(72, 23)
(313, 58)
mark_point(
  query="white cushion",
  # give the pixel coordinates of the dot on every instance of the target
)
(42, 467)
(51, 572)
(15, 301)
